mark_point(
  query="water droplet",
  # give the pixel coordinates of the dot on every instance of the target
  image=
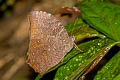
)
(112, 75)
(83, 77)
(38, 41)
(59, 24)
(92, 48)
(116, 23)
(89, 51)
(94, 35)
(79, 64)
(107, 48)
(66, 77)
(75, 65)
(68, 69)
(99, 43)
(33, 53)
(44, 12)
(49, 49)
(76, 59)
(70, 66)
(35, 13)
(64, 40)
(49, 14)
(104, 36)
(56, 78)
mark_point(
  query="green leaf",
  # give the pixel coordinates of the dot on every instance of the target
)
(80, 30)
(38, 77)
(111, 71)
(75, 67)
(103, 16)
(117, 77)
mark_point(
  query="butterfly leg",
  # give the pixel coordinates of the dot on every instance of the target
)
(77, 48)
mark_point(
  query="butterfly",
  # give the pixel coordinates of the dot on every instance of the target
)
(49, 41)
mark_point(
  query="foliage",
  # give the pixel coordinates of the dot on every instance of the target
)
(111, 70)
(103, 16)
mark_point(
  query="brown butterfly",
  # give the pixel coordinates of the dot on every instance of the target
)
(49, 41)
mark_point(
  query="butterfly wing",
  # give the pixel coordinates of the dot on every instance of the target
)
(49, 41)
